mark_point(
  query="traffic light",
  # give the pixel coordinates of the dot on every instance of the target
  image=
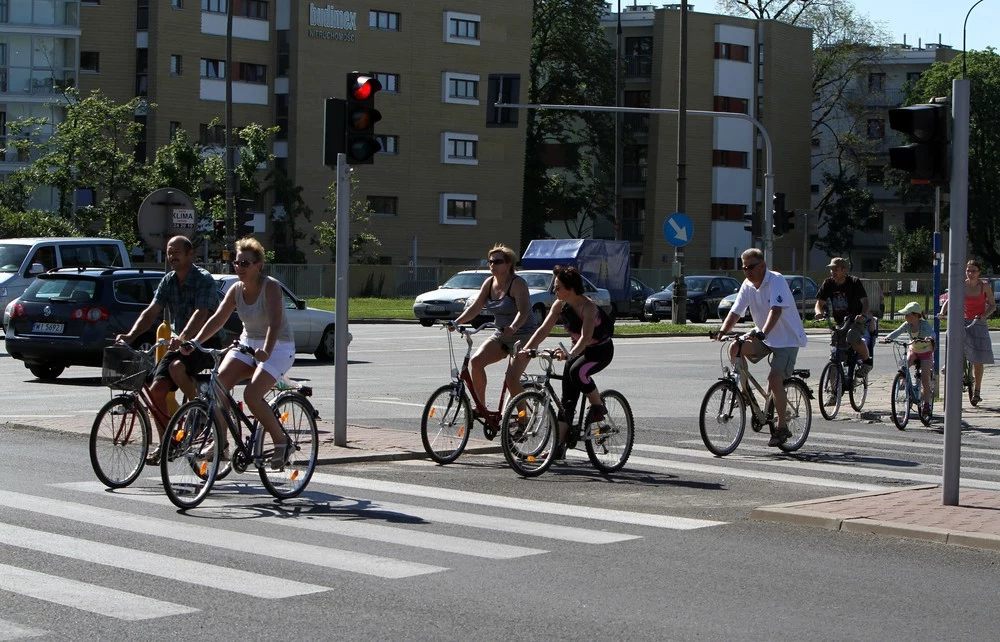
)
(334, 122)
(926, 157)
(753, 224)
(361, 145)
(779, 221)
(218, 229)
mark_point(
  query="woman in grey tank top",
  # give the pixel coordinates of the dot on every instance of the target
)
(505, 296)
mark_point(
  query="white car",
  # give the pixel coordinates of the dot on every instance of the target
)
(447, 302)
(313, 329)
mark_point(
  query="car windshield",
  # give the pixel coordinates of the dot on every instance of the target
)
(12, 256)
(693, 283)
(537, 281)
(465, 281)
(60, 290)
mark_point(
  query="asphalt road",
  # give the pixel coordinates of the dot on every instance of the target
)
(410, 550)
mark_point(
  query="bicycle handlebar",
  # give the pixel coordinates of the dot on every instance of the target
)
(468, 330)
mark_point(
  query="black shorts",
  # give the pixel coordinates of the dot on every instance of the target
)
(193, 363)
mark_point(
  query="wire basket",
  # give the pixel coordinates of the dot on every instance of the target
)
(125, 368)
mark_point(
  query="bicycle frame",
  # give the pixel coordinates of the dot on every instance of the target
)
(744, 379)
(463, 377)
(544, 381)
(899, 349)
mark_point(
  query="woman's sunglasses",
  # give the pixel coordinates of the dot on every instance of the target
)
(243, 264)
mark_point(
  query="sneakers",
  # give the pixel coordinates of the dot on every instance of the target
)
(281, 454)
(595, 414)
(779, 436)
(976, 398)
(559, 455)
(863, 370)
(925, 410)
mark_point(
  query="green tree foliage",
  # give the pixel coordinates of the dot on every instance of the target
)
(853, 208)
(16, 223)
(364, 245)
(287, 228)
(914, 248)
(572, 63)
(983, 73)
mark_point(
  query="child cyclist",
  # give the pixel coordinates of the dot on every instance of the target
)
(918, 328)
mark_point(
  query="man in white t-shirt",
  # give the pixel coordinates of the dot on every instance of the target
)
(779, 329)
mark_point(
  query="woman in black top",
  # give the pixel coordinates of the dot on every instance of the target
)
(591, 330)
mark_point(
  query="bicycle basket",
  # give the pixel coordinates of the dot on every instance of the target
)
(125, 368)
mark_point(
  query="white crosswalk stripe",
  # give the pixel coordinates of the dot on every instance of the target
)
(13, 631)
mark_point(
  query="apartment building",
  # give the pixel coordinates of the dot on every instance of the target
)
(448, 182)
(758, 68)
(865, 112)
(39, 55)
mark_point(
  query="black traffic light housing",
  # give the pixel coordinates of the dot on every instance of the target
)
(218, 229)
(926, 157)
(753, 224)
(360, 143)
(779, 217)
(334, 134)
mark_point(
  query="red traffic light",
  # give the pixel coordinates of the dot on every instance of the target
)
(362, 87)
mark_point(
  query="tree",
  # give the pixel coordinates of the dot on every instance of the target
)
(363, 245)
(852, 207)
(983, 73)
(289, 206)
(15, 223)
(571, 63)
(912, 246)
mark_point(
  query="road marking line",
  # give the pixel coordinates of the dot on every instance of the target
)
(514, 503)
(86, 597)
(12, 631)
(220, 538)
(165, 566)
(333, 524)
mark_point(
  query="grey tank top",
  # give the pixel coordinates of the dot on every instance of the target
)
(254, 315)
(504, 309)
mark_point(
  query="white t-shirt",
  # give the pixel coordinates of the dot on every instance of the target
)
(772, 293)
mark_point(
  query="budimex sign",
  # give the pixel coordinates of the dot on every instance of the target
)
(344, 23)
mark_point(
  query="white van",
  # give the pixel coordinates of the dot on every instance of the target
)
(22, 259)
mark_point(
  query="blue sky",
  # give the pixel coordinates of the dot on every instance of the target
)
(925, 19)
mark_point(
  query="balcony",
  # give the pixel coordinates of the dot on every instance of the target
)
(638, 66)
(41, 13)
(35, 82)
(632, 230)
(634, 175)
(637, 123)
(877, 99)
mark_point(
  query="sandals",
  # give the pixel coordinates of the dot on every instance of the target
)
(153, 457)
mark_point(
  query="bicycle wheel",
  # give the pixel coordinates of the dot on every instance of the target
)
(299, 424)
(119, 441)
(528, 432)
(900, 397)
(831, 390)
(723, 418)
(189, 455)
(859, 391)
(611, 440)
(446, 423)
(798, 414)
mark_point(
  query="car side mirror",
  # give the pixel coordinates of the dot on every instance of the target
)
(797, 292)
(300, 304)
(35, 268)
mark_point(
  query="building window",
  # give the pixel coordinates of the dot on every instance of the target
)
(175, 65)
(814, 188)
(249, 72)
(876, 82)
(212, 135)
(912, 76)
(727, 51)
(256, 9)
(215, 6)
(141, 71)
(638, 57)
(383, 20)
(875, 175)
(388, 143)
(876, 128)
(730, 158)
(281, 116)
(142, 15)
(730, 104)
(461, 28)
(284, 52)
(177, 4)
(458, 209)
(728, 211)
(90, 61)
(456, 88)
(459, 149)
(211, 68)
(175, 126)
(504, 88)
(390, 82)
(383, 205)
(721, 263)
(815, 142)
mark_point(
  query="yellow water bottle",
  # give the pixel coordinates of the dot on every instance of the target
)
(163, 332)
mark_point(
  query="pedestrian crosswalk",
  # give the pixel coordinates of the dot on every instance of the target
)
(85, 523)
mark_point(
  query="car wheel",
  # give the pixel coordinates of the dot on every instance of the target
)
(46, 373)
(427, 322)
(539, 313)
(327, 345)
(700, 314)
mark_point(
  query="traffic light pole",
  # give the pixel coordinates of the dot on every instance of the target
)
(768, 235)
(341, 294)
(956, 286)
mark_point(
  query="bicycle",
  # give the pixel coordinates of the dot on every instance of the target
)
(529, 430)
(968, 375)
(906, 389)
(448, 417)
(841, 373)
(723, 417)
(122, 431)
(191, 453)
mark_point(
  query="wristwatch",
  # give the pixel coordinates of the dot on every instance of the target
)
(761, 335)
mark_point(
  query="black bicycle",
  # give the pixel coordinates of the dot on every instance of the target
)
(842, 373)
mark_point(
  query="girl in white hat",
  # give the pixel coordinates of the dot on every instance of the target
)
(922, 335)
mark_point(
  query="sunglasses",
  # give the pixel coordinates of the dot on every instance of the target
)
(244, 264)
(496, 261)
(747, 268)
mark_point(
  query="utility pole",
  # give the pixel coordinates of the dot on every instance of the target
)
(679, 304)
(618, 127)
(230, 163)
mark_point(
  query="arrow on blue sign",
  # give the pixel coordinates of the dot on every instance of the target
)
(678, 229)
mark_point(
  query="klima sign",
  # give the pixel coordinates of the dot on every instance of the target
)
(332, 18)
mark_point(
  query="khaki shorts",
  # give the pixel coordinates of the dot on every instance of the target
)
(782, 360)
(507, 343)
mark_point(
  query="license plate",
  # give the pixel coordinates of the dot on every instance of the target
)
(435, 311)
(47, 328)
(663, 305)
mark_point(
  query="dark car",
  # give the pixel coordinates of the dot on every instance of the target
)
(795, 284)
(703, 296)
(638, 293)
(67, 317)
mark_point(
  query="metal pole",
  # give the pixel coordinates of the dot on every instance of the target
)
(964, 23)
(230, 162)
(342, 294)
(936, 305)
(956, 286)
(619, 170)
(805, 253)
(679, 305)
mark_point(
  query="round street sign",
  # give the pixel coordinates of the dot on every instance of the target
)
(166, 213)
(678, 229)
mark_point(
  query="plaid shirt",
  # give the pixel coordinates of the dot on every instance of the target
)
(181, 300)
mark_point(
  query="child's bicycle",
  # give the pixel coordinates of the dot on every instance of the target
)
(841, 373)
(122, 431)
(723, 416)
(906, 388)
(191, 457)
(448, 416)
(529, 430)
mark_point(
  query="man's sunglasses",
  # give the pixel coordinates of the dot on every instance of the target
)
(747, 268)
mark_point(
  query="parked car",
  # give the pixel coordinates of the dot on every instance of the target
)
(314, 329)
(450, 300)
(67, 317)
(638, 293)
(795, 284)
(703, 296)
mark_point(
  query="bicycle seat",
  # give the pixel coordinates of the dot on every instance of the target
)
(802, 372)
